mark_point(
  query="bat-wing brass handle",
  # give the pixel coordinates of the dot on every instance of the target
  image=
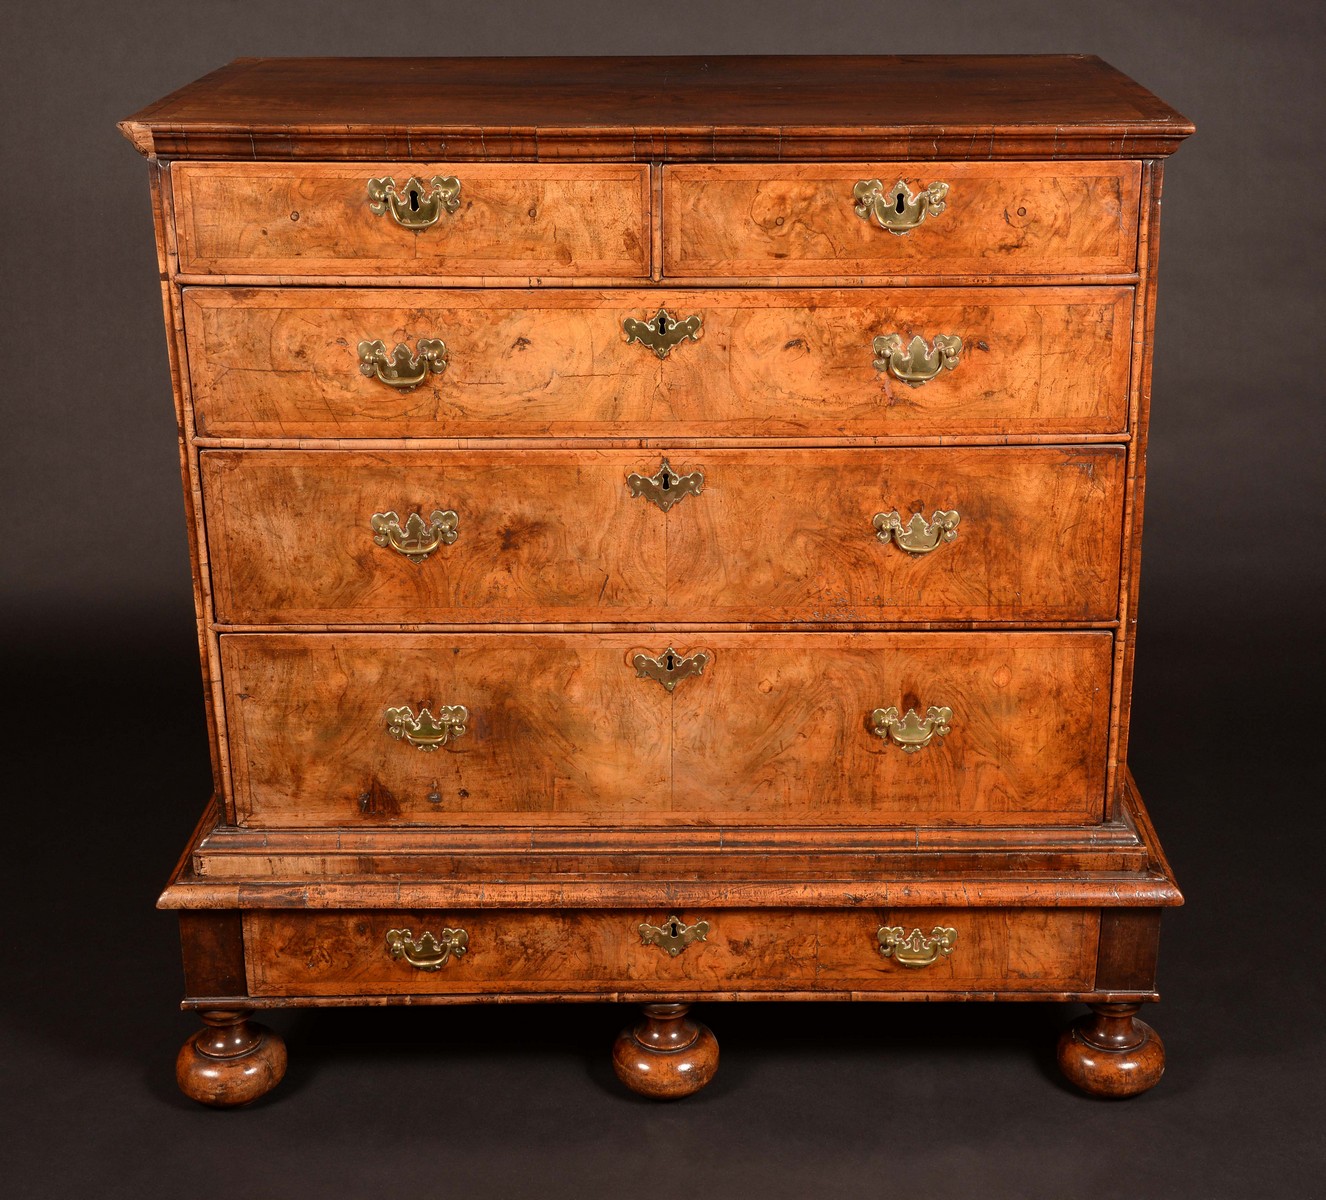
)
(911, 731)
(416, 539)
(898, 209)
(416, 205)
(916, 363)
(916, 949)
(402, 369)
(917, 535)
(428, 731)
(429, 951)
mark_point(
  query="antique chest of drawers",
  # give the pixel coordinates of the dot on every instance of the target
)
(665, 530)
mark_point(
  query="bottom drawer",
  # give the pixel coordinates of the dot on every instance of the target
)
(365, 953)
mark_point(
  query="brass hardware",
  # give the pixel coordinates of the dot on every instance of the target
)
(672, 935)
(670, 668)
(401, 369)
(426, 731)
(911, 731)
(428, 952)
(416, 540)
(662, 333)
(666, 488)
(917, 536)
(898, 209)
(917, 363)
(416, 205)
(915, 949)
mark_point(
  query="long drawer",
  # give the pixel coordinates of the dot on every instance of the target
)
(770, 950)
(602, 728)
(321, 363)
(973, 219)
(411, 537)
(495, 220)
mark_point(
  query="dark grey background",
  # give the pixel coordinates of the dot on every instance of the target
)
(105, 760)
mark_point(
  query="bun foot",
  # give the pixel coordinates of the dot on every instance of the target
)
(231, 1061)
(667, 1055)
(1111, 1053)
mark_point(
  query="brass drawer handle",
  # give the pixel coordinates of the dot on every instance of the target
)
(673, 936)
(415, 540)
(427, 952)
(898, 209)
(426, 731)
(916, 363)
(417, 205)
(662, 332)
(911, 731)
(666, 488)
(915, 949)
(400, 369)
(670, 668)
(917, 536)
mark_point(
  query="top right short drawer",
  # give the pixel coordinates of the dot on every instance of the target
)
(873, 220)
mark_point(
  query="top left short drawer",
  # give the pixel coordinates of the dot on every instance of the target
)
(526, 221)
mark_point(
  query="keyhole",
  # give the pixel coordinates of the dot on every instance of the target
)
(900, 206)
(672, 662)
(667, 480)
(414, 201)
(662, 325)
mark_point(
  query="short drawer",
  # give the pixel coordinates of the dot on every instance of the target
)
(1008, 218)
(515, 536)
(660, 729)
(328, 363)
(501, 220)
(724, 951)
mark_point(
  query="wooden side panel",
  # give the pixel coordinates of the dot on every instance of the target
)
(1000, 219)
(558, 536)
(345, 953)
(563, 731)
(212, 944)
(1129, 946)
(283, 363)
(313, 219)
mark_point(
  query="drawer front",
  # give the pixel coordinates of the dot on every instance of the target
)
(287, 363)
(511, 220)
(1008, 218)
(1028, 533)
(580, 729)
(387, 953)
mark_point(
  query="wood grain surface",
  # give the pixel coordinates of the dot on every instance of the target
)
(314, 220)
(282, 363)
(1000, 218)
(563, 731)
(774, 535)
(746, 949)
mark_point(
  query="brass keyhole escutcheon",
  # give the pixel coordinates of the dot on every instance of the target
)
(665, 487)
(670, 668)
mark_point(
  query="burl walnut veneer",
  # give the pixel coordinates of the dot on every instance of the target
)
(664, 530)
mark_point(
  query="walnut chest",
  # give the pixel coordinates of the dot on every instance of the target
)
(664, 530)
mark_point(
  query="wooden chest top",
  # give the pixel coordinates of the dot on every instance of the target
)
(662, 109)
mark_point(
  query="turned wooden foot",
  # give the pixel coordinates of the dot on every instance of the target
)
(1109, 1052)
(230, 1061)
(667, 1055)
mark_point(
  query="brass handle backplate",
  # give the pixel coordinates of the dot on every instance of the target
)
(415, 540)
(402, 369)
(665, 488)
(670, 668)
(417, 205)
(662, 332)
(898, 209)
(915, 949)
(916, 363)
(427, 952)
(911, 731)
(673, 936)
(427, 731)
(917, 535)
